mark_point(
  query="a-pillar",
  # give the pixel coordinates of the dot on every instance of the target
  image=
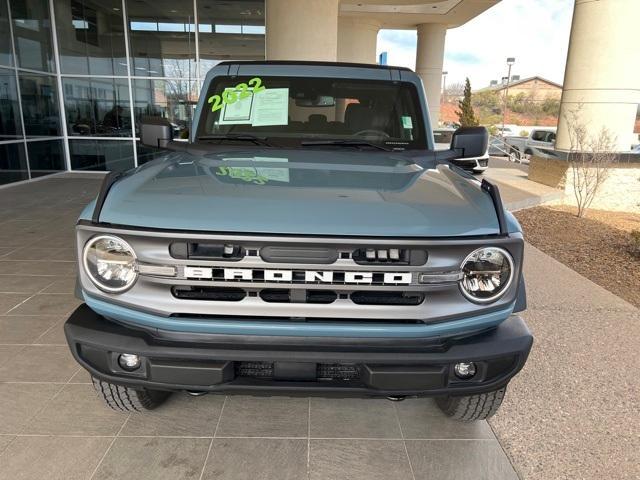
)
(429, 60)
(357, 39)
(301, 30)
(602, 76)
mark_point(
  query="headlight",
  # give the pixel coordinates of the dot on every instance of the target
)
(487, 273)
(111, 263)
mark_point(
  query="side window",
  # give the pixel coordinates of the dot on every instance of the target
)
(551, 137)
(538, 135)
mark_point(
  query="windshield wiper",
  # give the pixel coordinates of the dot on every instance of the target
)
(237, 136)
(344, 143)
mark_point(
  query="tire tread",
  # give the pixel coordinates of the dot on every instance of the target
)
(127, 399)
(473, 407)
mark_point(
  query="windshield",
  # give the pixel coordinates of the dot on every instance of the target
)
(298, 110)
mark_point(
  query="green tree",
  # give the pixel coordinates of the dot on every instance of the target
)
(466, 115)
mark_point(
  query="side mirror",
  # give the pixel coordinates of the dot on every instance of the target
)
(155, 132)
(469, 142)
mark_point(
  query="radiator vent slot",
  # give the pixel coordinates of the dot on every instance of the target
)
(215, 294)
(283, 295)
(387, 298)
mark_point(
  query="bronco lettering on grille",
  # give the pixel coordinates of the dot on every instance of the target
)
(298, 276)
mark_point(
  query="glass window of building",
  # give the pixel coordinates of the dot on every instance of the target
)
(162, 38)
(6, 55)
(45, 157)
(97, 107)
(13, 163)
(10, 126)
(113, 155)
(40, 108)
(32, 34)
(230, 31)
(172, 99)
(91, 37)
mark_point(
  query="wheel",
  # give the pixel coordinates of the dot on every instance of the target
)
(473, 407)
(127, 399)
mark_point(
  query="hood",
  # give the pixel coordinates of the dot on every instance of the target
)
(301, 191)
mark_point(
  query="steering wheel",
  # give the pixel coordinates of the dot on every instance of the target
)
(378, 133)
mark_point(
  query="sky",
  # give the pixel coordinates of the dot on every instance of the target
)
(535, 32)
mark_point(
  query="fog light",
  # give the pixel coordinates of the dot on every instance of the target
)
(465, 370)
(129, 362)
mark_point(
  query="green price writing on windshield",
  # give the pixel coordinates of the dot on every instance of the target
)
(239, 92)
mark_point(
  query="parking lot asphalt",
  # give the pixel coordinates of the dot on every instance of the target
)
(572, 412)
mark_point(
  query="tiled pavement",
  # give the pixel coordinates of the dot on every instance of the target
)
(52, 426)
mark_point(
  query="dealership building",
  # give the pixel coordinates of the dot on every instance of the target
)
(77, 76)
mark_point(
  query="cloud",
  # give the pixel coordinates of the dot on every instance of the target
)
(536, 33)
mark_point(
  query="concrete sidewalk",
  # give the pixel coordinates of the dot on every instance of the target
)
(574, 410)
(516, 189)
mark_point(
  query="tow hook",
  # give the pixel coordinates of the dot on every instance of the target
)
(195, 393)
(396, 398)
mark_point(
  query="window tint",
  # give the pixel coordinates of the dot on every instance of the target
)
(32, 34)
(97, 107)
(114, 155)
(45, 157)
(538, 135)
(91, 37)
(10, 127)
(13, 163)
(40, 105)
(6, 57)
(162, 38)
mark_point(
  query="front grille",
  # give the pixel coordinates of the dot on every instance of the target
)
(217, 294)
(254, 369)
(387, 298)
(281, 295)
(284, 295)
(324, 371)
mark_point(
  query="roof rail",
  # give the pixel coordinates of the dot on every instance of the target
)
(309, 62)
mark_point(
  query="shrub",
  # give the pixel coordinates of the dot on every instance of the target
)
(635, 243)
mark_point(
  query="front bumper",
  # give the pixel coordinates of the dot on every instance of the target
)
(306, 365)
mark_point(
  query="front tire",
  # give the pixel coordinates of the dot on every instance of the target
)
(127, 399)
(472, 407)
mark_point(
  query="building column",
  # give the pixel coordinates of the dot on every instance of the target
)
(429, 60)
(602, 76)
(301, 29)
(357, 40)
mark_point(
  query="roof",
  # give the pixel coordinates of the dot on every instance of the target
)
(308, 62)
(500, 86)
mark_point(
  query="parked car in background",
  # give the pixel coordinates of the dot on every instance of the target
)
(539, 138)
(442, 138)
(498, 147)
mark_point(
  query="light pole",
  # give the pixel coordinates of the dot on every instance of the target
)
(444, 86)
(510, 62)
